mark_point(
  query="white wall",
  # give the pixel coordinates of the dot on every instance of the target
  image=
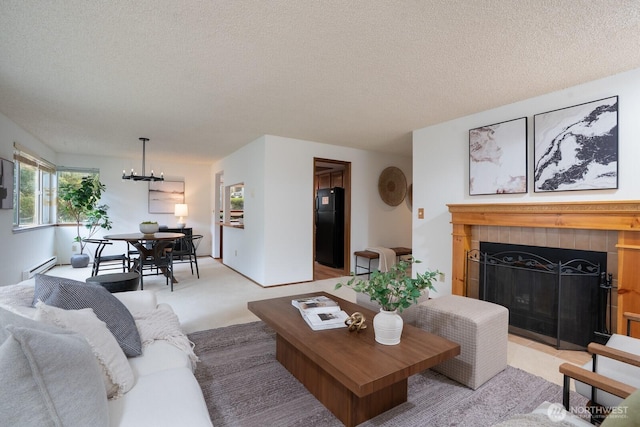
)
(20, 251)
(441, 163)
(276, 245)
(243, 249)
(128, 200)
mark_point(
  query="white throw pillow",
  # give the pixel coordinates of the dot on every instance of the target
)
(117, 373)
(49, 376)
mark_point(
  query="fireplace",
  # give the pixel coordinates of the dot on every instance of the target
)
(556, 296)
(616, 222)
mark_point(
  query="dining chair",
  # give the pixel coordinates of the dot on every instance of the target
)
(185, 250)
(133, 253)
(159, 259)
(106, 262)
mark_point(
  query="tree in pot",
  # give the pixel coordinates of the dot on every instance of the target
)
(80, 202)
(394, 290)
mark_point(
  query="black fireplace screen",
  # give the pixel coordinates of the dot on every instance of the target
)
(551, 297)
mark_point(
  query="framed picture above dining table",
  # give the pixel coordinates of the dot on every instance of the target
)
(163, 196)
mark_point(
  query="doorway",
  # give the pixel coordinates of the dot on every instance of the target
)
(330, 173)
(218, 215)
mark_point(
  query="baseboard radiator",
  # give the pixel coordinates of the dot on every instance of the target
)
(39, 268)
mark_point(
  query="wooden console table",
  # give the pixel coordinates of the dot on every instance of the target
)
(369, 255)
(355, 377)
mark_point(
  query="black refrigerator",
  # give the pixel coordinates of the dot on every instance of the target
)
(330, 227)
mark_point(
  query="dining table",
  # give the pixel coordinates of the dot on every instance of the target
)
(150, 246)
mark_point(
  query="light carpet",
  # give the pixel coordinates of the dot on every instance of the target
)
(244, 385)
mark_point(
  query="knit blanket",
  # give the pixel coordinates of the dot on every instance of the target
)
(387, 258)
(18, 298)
(163, 324)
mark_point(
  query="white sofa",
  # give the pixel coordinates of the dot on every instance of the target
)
(165, 391)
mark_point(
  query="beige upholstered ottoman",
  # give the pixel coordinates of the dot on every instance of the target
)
(481, 329)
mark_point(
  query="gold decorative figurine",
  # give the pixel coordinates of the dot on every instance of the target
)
(355, 322)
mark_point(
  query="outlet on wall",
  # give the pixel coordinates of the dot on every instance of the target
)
(441, 277)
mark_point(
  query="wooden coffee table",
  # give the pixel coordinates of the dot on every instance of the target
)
(355, 377)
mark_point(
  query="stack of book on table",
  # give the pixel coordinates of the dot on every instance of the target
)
(321, 312)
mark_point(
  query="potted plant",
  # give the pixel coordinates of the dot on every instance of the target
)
(81, 203)
(394, 290)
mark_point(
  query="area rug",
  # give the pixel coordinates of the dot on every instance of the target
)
(244, 385)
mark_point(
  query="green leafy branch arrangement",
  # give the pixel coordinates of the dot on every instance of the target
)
(394, 289)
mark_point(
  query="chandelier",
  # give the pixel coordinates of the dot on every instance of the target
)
(134, 176)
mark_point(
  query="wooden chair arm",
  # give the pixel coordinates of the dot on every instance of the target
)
(614, 353)
(631, 316)
(596, 380)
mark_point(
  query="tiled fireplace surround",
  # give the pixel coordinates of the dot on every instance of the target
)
(591, 240)
(611, 227)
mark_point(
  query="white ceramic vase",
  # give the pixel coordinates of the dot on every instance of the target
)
(387, 326)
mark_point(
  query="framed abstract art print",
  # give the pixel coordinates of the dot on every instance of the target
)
(576, 148)
(498, 158)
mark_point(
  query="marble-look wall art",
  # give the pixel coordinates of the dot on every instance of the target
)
(498, 158)
(576, 148)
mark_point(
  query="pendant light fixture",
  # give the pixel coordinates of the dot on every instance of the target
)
(134, 176)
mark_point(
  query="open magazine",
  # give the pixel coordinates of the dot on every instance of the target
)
(321, 312)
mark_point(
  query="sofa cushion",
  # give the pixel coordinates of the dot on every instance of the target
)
(171, 397)
(73, 295)
(116, 371)
(49, 376)
(158, 356)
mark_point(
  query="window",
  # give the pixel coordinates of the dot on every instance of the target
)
(71, 176)
(236, 203)
(237, 197)
(34, 184)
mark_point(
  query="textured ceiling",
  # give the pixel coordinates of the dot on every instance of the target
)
(202, 78)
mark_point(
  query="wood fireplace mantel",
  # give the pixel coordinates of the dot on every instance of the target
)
(621, 216)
